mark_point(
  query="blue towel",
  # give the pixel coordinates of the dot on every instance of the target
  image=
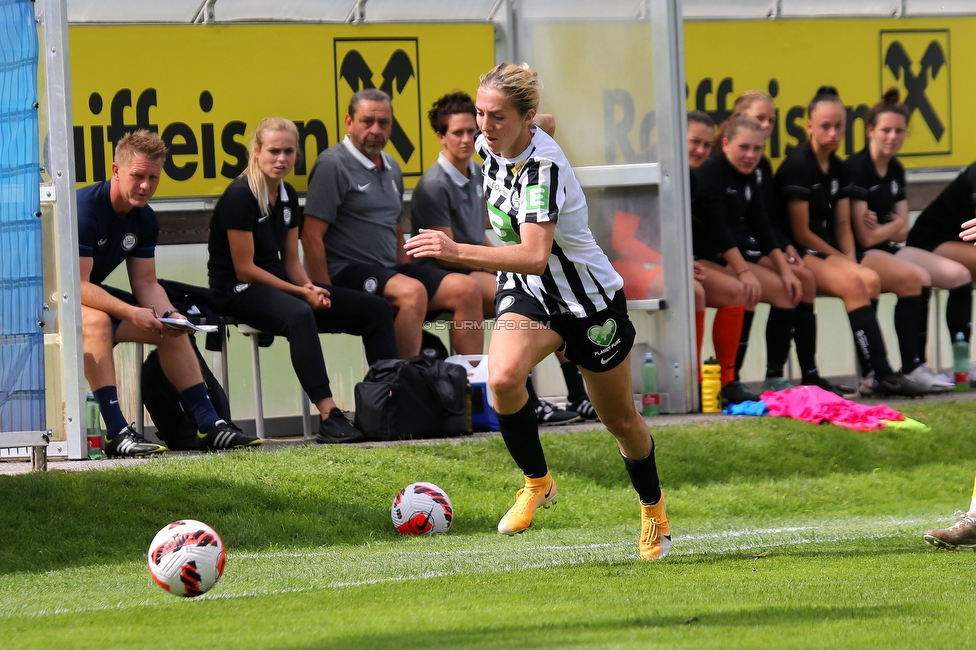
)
(747, 408)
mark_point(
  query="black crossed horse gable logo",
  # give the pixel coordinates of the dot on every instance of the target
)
(902, 67)
(355, 73)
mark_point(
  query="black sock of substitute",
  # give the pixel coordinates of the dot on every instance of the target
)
(643, 476)
(740, 355)
(959, 311)
(869, 343)
(779, 333)
(908, 315)
(520, 431)
(923, 325)
(805, 337)
(575, 388)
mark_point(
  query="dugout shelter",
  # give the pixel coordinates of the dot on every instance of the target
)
(614, 75)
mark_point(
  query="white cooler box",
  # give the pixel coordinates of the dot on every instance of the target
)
(483, 416)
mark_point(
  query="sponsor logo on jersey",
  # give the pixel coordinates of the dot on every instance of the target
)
(501, 223)
(537, 197)
(129, 241)
(894, 188)
(370, 284)
(495, 185)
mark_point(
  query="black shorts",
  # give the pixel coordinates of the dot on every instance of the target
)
(929, 238)
(125, 297)
(750, 255)
(598, 343)
(372, 278)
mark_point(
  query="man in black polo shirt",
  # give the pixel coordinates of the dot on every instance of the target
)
(115, 225)
(352, 235)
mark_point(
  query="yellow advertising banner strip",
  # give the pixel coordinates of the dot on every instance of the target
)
(205, 87)
(928, 59)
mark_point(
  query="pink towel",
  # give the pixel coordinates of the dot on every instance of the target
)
(814, 404)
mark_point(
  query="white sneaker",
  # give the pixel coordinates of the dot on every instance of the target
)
(867, 385)
(925, 378)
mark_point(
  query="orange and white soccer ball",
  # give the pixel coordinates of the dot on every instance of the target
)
(422, 509)
(186, 558)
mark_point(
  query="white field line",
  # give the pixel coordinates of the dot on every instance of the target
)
(568, 555)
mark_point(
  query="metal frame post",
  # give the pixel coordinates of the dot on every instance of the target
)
(675, 200)
(57, 64)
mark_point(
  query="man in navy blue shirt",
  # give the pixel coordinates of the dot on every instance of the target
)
(115, 225)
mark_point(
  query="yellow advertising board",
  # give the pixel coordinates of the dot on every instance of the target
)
(597, 79)
(205, 87)
(928, 59)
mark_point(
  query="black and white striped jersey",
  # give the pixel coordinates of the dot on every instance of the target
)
(537, 187)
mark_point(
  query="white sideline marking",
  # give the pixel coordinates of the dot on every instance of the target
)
(513, 554)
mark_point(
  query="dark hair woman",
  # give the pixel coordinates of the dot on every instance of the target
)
(813, 191)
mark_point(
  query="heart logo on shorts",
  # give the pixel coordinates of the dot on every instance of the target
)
(602, 334)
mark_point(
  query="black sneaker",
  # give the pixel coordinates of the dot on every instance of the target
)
(837, 389)
(225, 435)
(549, 413)
(898, 385)
(737, 392)
(129, 444)
(337, 429)
(584, 408)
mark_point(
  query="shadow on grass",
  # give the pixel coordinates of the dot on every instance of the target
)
(317, 497)
(621, 631)
(773, 448)
(63, 519)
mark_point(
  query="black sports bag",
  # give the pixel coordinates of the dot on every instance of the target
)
(419, 397)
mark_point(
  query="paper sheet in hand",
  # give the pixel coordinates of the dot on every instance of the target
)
(183, 324)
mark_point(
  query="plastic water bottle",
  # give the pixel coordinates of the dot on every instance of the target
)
(711, 388)
(94, 428)
(960, 362)
(650, 398)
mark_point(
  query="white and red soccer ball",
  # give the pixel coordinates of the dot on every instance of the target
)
(422, 509)
(186, 558)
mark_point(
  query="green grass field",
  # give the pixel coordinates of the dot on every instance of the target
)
(786, 535)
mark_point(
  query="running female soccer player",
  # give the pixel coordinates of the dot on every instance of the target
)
(259, 279)
(556, 288)
(879, 214)
(814, 189)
